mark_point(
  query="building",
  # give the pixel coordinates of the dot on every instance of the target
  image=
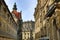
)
(54, 20)
(28, 30)
(47, 20)
(16, 15)
(18, 19)
(8, 26)
(39, 13)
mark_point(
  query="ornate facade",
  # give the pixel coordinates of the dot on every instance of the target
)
(47, 20)
(54, 21)
(28, 32)
(8, 26)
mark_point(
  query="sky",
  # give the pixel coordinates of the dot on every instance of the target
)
(26, 6)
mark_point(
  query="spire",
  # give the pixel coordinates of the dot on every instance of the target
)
(14, 6)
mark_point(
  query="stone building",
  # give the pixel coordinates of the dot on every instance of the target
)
(8, 26)
(53, 16)
(39, 13)
(28, 32)
(18, 19)
(47, 16)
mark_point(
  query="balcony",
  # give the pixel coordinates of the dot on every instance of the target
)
(51, 10)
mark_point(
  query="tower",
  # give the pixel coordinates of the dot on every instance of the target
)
(18, 18)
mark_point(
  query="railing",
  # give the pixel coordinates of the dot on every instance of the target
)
(52, 8)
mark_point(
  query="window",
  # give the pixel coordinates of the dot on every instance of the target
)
(8, 15)
(28, 34)
(57, 0)
(54, 22)
(28, 37)
(25, 33)
(0, 24)
(25, 37)
(4, 9)
(0, 4)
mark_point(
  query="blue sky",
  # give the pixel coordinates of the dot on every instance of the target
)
(26, 6)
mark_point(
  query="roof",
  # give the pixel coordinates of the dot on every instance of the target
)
(17, 14)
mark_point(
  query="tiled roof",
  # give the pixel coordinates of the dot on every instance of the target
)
(17, 14)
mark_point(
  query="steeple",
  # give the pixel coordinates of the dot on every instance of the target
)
(14, 6)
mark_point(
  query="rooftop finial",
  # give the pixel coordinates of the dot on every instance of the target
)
(14, 7)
